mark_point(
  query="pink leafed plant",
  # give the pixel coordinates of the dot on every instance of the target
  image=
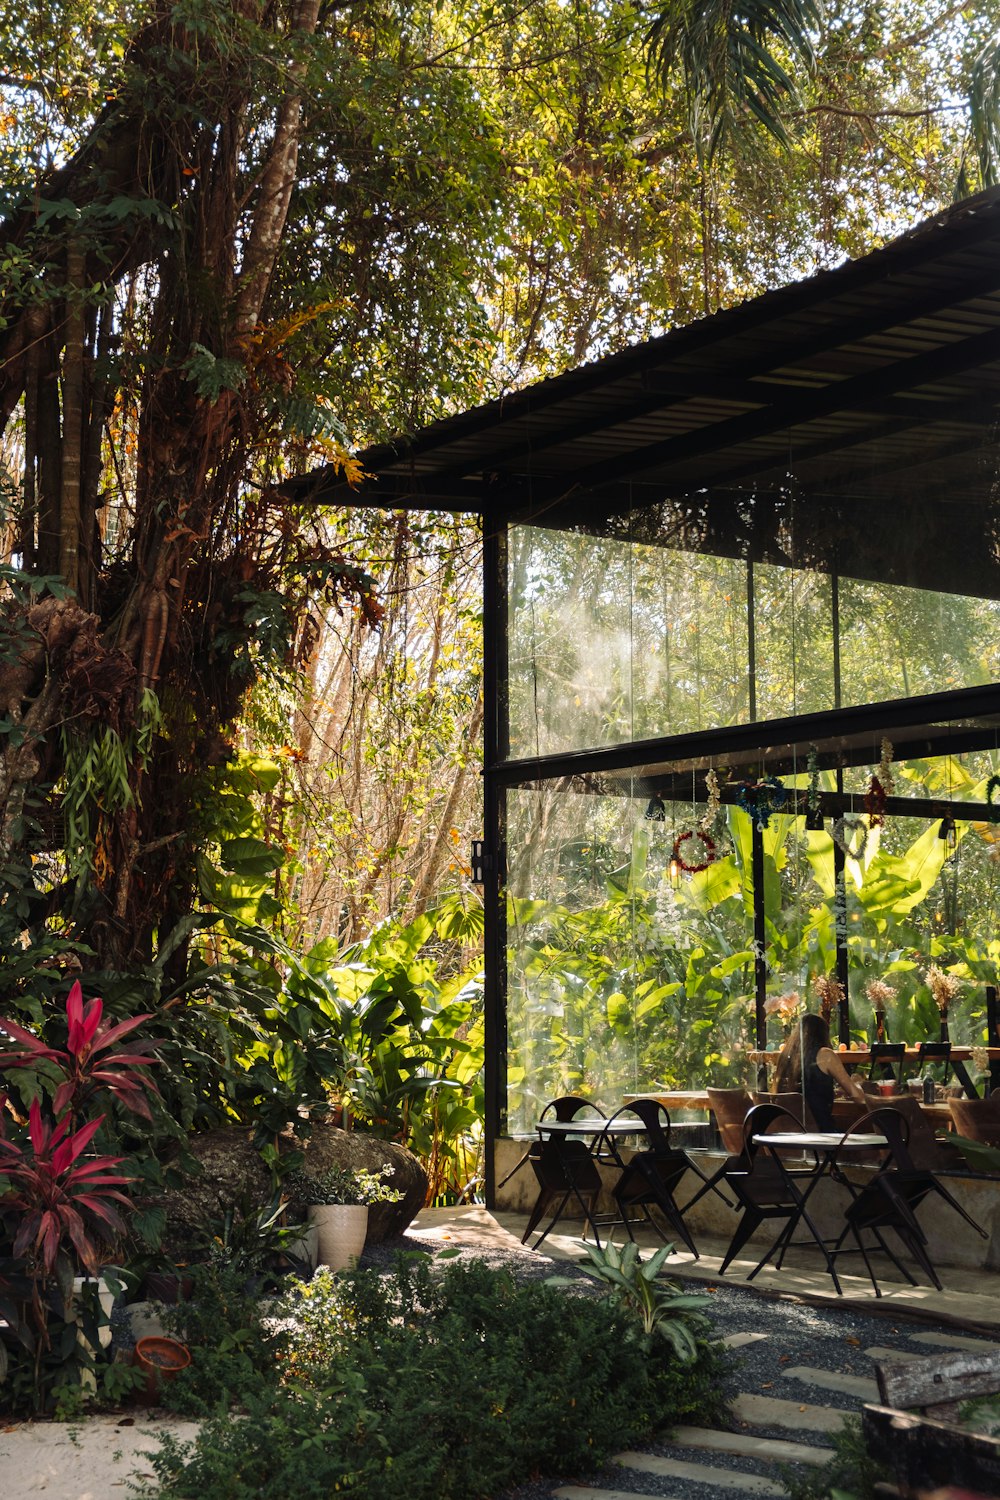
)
(57, 1198)
(92, 1060)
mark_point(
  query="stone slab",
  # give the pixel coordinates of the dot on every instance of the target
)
(797, 1416)
(707, 1474)
(745, 1445)
(858, 1386)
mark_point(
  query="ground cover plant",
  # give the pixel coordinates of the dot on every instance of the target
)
(444, 1383)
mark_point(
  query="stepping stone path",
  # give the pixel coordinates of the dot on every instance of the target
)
(790, 1427)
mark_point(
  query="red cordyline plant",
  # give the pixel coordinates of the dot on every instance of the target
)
(88, 1063)
(57, 1198)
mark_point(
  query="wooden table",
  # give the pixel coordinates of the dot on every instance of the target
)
(674, 1098)
(852, 1056)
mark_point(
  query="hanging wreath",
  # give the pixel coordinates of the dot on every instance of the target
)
(691, 866)
(846, 829)
(875, 803)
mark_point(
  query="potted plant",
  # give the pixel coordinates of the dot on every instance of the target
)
(338, 1199)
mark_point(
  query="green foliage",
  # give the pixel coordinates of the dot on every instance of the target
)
(342, 1185)
(664, 1311)
(735, 62)
(234, 1347)
(852, 1474)
(368, 1376)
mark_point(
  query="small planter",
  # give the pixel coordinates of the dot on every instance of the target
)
(160, 1358)
(341, 1229)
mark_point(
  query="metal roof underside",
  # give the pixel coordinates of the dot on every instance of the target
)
(878, 378)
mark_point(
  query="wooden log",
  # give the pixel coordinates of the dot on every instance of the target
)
(930, 1382)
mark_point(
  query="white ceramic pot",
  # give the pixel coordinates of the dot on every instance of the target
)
(340, 1231)
(89, 1286)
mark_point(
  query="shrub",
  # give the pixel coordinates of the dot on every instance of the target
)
(439, 1387)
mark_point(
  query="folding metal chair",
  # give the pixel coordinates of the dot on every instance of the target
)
(769, 1187)
(565, 1170)
(650, 1176)
(890, 1199)
(566, 1107)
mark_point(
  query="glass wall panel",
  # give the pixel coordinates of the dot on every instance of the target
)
(627, 975)
(902, 642)
(620, 977)
(570, 647)
(793, 638)
(612, 641)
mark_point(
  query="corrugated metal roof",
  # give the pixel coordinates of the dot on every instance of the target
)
(872, 377)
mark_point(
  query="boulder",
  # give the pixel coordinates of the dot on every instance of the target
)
(329, 1146)
(230, 1171)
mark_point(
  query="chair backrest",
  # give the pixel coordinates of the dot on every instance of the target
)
(568, 1106)
(730, 1106)
(654, 1117)
(977, 1119)
(933, 1052)
(767, 1119)
(924, 1149)
(651, 1120)
(891, 1123)
(887, 1059)
(794, 1103)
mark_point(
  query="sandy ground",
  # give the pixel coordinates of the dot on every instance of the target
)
(88, 1460)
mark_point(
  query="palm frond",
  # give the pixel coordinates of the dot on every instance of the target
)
(984, 111)
(737, 62)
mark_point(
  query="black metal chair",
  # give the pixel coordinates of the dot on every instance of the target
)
(566, 1107)
(890, 1198)
(565, 1170)
(769, 1185)
(887, 1059)
(649, 1177)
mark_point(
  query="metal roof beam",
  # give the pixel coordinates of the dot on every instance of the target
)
(857, 391)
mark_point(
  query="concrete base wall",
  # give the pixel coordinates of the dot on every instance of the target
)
(951, 1241)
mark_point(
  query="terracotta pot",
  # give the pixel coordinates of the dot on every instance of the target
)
(160, 1358)
(341, 1230)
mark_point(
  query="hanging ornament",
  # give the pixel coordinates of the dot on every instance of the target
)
(875, 803)
(762, 798)
(885, 767)
(714, 801)
(992, 787)
(848, 829)
(686, 858)
(814, 801)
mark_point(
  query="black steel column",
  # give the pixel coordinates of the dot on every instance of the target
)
(495, 749)
(840, 928)
(760, 946)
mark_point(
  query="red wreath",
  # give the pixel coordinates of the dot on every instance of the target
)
(707, 844)
(875, 803)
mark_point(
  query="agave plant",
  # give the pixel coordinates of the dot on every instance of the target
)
(55, 1199)
(663, 1309)
(92, 1060)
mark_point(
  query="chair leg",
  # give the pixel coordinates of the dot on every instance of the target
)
(709, 1185)
(959, 1209)
(552, 1222)
(744, 1229)
(514, 1170)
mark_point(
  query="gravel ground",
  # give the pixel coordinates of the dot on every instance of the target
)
(824, 1337)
